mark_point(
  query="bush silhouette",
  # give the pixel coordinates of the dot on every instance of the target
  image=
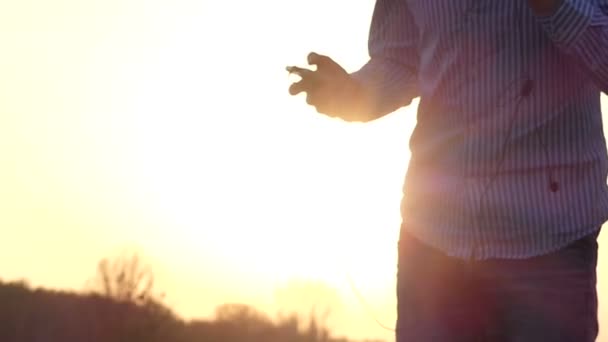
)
(123, 308)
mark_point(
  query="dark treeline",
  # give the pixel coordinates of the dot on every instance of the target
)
(36, 315)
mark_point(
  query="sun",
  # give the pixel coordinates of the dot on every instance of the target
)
(245, 184)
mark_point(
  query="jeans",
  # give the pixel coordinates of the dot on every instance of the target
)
(549, 298)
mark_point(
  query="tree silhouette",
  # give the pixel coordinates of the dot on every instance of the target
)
(312, 301)
(125, 278)
(34, 315)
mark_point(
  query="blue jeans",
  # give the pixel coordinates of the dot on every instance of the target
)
(548, 298)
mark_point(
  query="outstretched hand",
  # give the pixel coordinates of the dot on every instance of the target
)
(329, 88)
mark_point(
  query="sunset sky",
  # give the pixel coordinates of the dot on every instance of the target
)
(166, 127)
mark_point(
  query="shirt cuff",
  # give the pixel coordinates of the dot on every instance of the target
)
(369, 78)
(389, 85)
(570, 20)
(371, 74)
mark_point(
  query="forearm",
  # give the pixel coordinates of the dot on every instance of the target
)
(386, 86)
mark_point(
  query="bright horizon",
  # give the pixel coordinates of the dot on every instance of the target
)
(167, 127)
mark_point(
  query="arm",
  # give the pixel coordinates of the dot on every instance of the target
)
(580, 29)
(390, 76)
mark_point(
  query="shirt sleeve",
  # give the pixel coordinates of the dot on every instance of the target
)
(580, 28)
(390, 75)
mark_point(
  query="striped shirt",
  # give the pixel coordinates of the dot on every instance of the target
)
(508, 154)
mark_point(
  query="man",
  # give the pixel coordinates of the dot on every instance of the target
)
(506, 189)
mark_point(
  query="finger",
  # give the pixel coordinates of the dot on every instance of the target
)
(319, 99)
(296, 88)
(308, 83)
(322, 106)
(302, 72)
(310, 99)
(320, 61)
(304, 83)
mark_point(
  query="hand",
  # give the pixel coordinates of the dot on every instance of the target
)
(330, 89)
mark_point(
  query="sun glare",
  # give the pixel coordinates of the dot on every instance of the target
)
(160, 124)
